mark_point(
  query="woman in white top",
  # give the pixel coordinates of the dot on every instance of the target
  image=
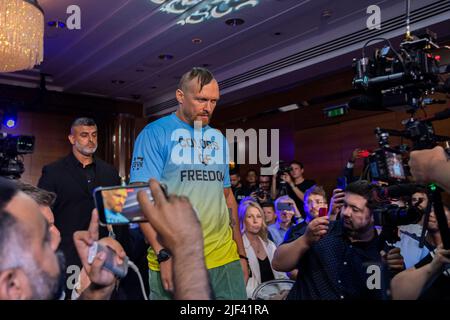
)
(258, 247)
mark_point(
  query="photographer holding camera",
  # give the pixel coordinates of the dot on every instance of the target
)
(430, 278)
(262, 194)
(292, 179)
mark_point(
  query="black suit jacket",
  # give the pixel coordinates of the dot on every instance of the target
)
(74, 202)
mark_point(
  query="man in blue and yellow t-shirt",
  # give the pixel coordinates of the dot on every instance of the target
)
(182, 151)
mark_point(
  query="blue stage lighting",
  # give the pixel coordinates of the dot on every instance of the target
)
(10, 123)
(10, 119)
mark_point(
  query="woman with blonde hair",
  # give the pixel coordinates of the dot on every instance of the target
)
(258, 247)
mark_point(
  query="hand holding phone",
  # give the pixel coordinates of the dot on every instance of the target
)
(337, 201)
(94, 269)
(341, 183)
(118, 205)
(118, 269)
(363, 153)
(285, 206)
(323, 212)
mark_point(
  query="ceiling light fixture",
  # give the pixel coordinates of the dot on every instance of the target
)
(165, 56)
(234, 22)
(197, 41)
(289, 107)
(21, 35)
(57, 24)
(327, 13)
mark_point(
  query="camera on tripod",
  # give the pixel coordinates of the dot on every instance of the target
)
(284, 168)
(11, 148)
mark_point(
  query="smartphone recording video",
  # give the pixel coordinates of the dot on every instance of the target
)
(395, 166)
(283, 206)
(323, 212)
(363, 153)
(119, 205)
(341, 183)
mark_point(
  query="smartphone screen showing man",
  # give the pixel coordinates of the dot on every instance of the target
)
(119, 205)
(395, 166)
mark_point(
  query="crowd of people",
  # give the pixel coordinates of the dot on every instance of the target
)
(215, 236)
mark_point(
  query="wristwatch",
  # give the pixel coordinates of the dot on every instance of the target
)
(163, 255)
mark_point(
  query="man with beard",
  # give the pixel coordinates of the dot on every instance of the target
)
(45, 200)
(114, 200)
(29, 267)
(191, 158)
(73, 178)
(336, 258)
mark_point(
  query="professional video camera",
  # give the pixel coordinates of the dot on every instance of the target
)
(390, 217)
(389, 164)
(11, 148)
(393, 80)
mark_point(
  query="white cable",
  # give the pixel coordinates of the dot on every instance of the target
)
(136, 269)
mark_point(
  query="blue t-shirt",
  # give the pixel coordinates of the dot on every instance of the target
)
(115, 217)
(194, 163)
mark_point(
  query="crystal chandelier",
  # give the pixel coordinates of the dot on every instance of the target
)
(21, 35)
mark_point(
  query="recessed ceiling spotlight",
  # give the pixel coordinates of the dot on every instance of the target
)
(117, 81)
(277, 34)
(234, 22)
(153, 87)
(140, 70)
(57, 24)
(197, 40)
(206, 65)
(327, 13)
(165, 56)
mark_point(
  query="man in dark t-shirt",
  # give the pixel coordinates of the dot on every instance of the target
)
(297, 184)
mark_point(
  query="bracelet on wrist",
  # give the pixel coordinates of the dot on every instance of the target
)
(243, 257)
